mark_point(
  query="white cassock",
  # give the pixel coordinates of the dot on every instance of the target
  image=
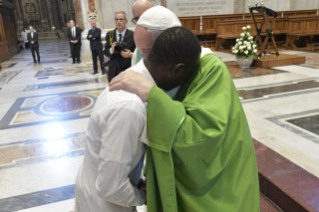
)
(113, 160)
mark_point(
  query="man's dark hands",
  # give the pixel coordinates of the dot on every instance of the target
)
(142, 185)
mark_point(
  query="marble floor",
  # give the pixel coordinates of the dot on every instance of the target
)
(45, 108)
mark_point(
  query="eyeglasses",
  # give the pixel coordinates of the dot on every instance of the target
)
(120, 19)
(135, 20)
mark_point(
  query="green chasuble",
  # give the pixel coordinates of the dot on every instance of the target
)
(201, 156)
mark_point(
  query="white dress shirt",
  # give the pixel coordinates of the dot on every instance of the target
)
(118, 37)
(113, 160)
(73, 32)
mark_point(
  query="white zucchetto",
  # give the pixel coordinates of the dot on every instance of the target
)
(158, 18)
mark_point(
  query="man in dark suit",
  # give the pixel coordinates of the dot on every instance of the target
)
(34, 45)
(74, 35)
(119, 60)
(94, 36)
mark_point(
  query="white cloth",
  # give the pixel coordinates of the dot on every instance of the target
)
(74, 32)
(158, 18)
(24, 36)
(118, 38)
(114, 154)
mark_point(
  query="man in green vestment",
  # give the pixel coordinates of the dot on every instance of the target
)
(200, 156)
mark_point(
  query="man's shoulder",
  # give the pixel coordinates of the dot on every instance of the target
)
(119, 100)
(112, 30)
(210, 59)
(130, 32)
(124, 97)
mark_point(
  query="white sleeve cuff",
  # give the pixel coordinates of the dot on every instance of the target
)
(111, 51)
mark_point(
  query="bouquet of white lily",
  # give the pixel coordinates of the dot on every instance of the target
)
(245, 46)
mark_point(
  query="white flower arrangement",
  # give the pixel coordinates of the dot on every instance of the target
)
(245, 46)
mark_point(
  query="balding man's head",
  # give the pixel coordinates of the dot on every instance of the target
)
(72, 23)
(140, 6)
(93, 23)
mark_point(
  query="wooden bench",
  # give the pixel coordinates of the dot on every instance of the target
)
(305, 26)
(210, 21)
(213, 32)
(231, 29)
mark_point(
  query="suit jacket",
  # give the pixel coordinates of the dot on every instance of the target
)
(116, 59)
(95, 40)
(78, 35)
(35, 39)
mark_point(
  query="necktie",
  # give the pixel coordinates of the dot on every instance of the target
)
(120, 37)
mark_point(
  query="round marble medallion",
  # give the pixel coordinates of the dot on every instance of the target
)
(66, 104)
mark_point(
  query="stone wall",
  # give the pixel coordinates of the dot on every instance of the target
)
(107, 8)
(278, 5)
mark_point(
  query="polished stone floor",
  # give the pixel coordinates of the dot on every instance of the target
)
(45, 108)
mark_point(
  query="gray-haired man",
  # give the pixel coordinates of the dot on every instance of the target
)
(119, 46)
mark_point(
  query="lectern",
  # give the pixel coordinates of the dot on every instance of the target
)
(266, 13)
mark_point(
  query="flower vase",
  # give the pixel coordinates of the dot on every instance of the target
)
(245, 63)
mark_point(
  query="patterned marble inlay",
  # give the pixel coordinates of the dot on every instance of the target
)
(9, 65)
(57, 107)
(237, 72)
(262, 92)
(310, 123)
(49, 62)
(7, 76)
(72, 71)
(66, 104)
(64, 84)
(15, 152)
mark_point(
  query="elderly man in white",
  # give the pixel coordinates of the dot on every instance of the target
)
(113, 160)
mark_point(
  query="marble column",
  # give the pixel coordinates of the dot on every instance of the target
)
(79, 13)
(19, 18)
(108, 9)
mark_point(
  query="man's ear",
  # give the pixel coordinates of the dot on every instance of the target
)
(178, 70)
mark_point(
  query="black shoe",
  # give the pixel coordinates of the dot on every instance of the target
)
(35, 62)
(79, 62)
(73, 62)
(94, 73)
(103, 72)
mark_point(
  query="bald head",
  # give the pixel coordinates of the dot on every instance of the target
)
(72, 23)
(93, 24)
(140, 6)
